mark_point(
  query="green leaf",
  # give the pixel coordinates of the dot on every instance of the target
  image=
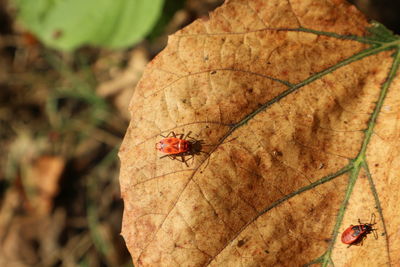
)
(69, 24)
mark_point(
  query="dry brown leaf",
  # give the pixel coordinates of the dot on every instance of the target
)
(42, 181)
(298, 107)
(32, 240)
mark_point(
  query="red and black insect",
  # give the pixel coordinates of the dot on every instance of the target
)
(355, 234)
(177, 147)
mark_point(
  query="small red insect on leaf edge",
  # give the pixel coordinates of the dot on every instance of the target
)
(355, 234)
(178, 146)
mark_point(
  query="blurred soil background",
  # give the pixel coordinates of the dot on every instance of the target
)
(62, 119)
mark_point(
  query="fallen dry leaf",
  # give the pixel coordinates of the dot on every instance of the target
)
(42, 180)
(297, 103)
(31, 240)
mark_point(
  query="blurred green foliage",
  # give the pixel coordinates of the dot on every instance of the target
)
(69, 24)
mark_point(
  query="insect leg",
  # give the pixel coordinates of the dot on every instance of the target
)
(169, 156)
(172, 132)
(181, 159)
(191, 158)
(187, 135)
(184, 161)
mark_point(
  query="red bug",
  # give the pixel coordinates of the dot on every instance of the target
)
(179, 146)
(355, 234)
